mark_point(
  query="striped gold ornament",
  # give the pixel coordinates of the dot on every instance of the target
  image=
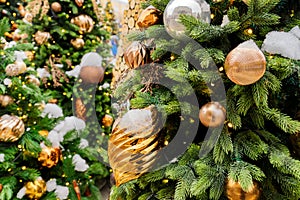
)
(11, 128)
(133, 145)
(84, 22)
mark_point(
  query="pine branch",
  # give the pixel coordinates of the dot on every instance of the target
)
(282, 121)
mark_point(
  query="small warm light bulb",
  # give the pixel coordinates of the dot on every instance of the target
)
(63, 30)
(230, 125)
(165, 181)
(67, 183)
(14, 14)
(65, 93)
(221, 69)
(212, 16)
(166, 142)
(172, 57)
(24, 168)
(250, 31)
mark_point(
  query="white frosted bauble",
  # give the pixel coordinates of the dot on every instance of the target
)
(199, 9)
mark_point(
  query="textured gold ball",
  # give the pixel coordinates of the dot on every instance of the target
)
(90, 74)
(212, 114)
(56, 7)
(5, 100)
(49, 156)
(77, 43)
(234, 191)
(136, 55)
(35, 189)
(107, 120)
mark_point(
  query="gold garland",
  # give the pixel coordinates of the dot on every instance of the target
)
(97, 10)
(35, 6)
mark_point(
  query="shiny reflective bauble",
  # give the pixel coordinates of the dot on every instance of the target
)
(212, 114)
(245, 66)
(196, 8)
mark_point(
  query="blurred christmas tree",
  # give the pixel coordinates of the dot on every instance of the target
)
(63, 32)
(13, 10)
(110, 23)
(42, 154)
(225, 77)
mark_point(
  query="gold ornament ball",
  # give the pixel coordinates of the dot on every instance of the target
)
(212, 114)
(15, 69)
(79, 3)
(234, 191)
(90, 74)
(245, 66)
(41, 37)
(56, 7)
(148, 17)
(35, 189)
(11, 128)
(84, 22)
(134, 138)
(33, 80)
(49, 156)
(43, 133)
(77, 43)
(5, 100)
(136, 55)
(107, 120)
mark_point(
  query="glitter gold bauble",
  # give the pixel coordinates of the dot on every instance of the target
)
(49, 156)
(15, 69)
(43, 133)
(30, 55)
(212, 114)
(6, 100)
(11, 128)
(84, 22)
(245, 66)
(234, 191)
(107, 120)
(41, 37)
(136, 55)
(77, 43)
(33, 79)
(56, 7)
(132, 147)
(91, 74)
(149, 17)
(35, 189)
(79, 3)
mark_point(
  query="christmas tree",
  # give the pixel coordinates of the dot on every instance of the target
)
(46, 153)
(13, 10)
(63, 32)
(211, 102)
